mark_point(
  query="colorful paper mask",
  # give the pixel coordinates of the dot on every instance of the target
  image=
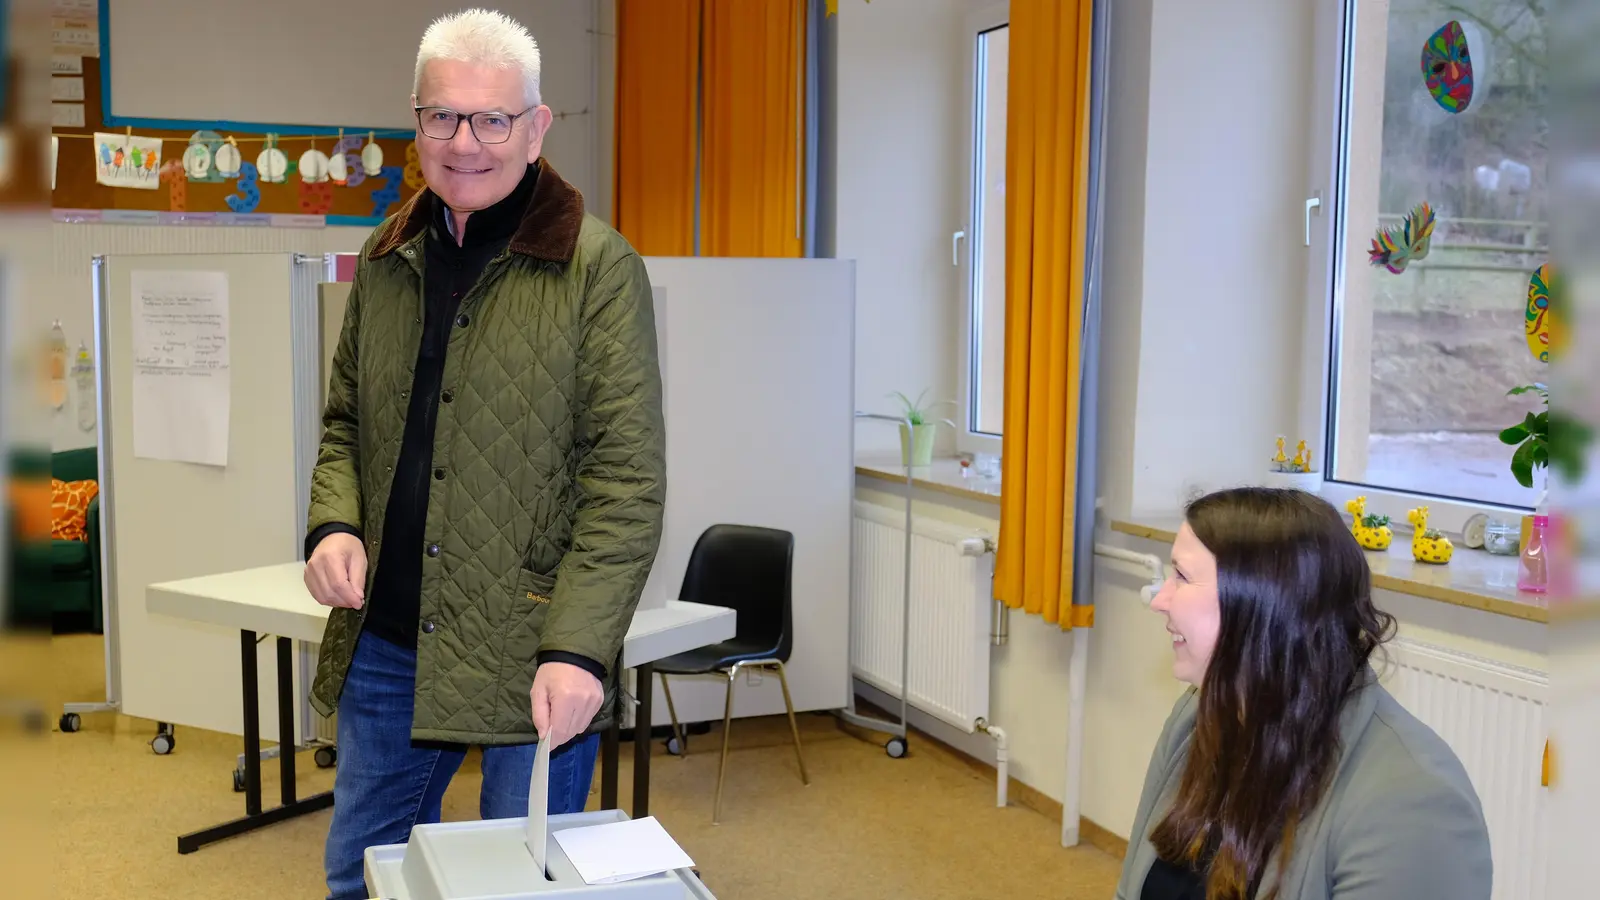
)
(1544, 332)
(1447, 68)
(1396, 248)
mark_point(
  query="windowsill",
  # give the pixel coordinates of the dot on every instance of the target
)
(1473, 578)
(945, 476)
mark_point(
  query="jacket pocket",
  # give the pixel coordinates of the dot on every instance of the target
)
(533, 587)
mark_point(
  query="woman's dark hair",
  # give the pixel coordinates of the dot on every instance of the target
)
(1297, 630)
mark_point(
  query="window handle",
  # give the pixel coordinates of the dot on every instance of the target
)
(955, 247)
(1312, 202)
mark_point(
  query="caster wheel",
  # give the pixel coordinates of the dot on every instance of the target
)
(325, 757)
(896, 747)
(163, 743)
(238, 781)
(70, 722)
(673, 747)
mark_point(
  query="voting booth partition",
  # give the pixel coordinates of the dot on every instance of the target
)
(213, 370)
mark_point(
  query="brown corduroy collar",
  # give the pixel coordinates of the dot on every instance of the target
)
(549, 229)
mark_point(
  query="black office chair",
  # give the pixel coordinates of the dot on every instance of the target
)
(749, 570)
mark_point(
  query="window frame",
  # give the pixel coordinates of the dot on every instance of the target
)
(1338, 26)
(966, 240)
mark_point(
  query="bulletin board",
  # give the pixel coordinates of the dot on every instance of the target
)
(171, 192)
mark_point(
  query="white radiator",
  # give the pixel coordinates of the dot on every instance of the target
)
(1492, 715)
(950, 613)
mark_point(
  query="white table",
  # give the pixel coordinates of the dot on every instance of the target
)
(274, 600)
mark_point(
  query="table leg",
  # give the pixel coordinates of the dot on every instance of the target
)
(644, 684)
(252, 723)
(254, 816)
(610, 756)
(286, 743)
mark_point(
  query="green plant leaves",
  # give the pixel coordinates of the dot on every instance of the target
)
(1522, 463)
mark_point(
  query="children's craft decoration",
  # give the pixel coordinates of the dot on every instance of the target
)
(227, 159)
(338, 169)
(314, 166)
(1398, 247)
(123, 160)
(349, 150)
(249, 195)
(316, 198)
(177, 182)
(413, 170)
(1540, 324)
(1447, 67)
(200, 157)
(389, 194)
(271, 165)
(371, 157)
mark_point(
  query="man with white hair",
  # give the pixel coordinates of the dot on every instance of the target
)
(494, 446)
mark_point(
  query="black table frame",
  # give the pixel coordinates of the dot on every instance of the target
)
(254, 816)
(611, 748)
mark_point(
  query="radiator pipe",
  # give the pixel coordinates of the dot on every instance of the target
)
(1002, 776)
(1156, 569)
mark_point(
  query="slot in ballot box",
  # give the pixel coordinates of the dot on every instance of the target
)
(480, 860)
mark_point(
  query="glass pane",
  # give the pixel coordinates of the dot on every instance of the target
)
(987, 413)
(1426, 355)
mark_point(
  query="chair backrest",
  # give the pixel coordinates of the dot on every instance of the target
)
(82, 464)
(747, 569)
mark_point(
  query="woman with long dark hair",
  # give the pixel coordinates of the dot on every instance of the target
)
(1286, 771)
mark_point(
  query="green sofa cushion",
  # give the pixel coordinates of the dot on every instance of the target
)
(69, 557)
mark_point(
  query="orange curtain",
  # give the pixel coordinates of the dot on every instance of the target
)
(658, 48)
(1047, 168)
(750, 171)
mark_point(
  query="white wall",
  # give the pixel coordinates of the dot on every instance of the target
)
(901, 122)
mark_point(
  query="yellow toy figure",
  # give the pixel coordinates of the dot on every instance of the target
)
(1280, 463)
(1428, 545)
(1372, 532)
(1302, 459)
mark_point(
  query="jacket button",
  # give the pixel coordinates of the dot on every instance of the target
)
(433, 549)
(438, 474)
(447, 396)
(427, 627)
(462, 320)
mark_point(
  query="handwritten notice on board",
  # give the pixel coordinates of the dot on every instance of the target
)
(181, 380)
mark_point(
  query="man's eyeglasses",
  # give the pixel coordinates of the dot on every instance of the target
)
(441, 123)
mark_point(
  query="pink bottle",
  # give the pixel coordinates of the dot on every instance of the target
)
(1534, 572)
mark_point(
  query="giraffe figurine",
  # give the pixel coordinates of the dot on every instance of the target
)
(1371, 531)
(1428, 545)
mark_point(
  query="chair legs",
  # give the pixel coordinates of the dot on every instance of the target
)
(672, 712)
(727, 725)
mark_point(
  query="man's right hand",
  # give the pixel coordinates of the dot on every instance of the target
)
(336, 574)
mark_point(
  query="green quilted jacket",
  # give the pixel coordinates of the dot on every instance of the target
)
(551, 427)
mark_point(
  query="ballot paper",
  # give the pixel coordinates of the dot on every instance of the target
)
(539, 808)
(622, 851)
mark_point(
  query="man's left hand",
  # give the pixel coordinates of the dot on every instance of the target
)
(565, 699)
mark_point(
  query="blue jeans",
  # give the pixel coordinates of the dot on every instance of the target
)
(385, 784)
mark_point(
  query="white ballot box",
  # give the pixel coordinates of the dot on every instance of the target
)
(480, 860)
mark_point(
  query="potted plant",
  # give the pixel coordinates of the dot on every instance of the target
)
(1544, 440)
(918, 430)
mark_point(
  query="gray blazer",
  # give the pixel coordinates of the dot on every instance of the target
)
(1400, 820)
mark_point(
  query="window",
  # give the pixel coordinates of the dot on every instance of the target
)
(984, 321)
(1422, 359)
